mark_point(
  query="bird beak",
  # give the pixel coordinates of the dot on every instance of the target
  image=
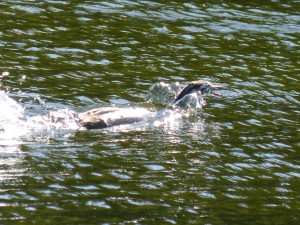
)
(217, 87)
(216, 94)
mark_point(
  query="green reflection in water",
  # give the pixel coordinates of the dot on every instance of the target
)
(236, 163)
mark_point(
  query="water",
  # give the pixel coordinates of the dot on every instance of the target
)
(234, 162)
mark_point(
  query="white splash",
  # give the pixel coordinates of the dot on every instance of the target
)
(163, 93)
(63, 119)
(11, 114)
(14, 124)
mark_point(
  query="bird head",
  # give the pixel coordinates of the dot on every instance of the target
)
(200, 86)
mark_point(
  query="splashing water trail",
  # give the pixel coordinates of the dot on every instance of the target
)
(14, 123)
(11, 115)
(63, 119)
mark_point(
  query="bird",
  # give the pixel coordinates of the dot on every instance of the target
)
(104, 117)
(200, 87)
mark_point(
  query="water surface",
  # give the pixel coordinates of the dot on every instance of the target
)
(235, 162)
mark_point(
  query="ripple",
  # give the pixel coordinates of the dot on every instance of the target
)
(154, 167)
(241, 149)
(101, 204)
(28, 9)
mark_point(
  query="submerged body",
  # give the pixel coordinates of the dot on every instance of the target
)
(113, 116)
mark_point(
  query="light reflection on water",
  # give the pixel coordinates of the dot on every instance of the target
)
(236, 162)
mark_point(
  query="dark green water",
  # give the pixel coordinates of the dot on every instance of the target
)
(237, 162)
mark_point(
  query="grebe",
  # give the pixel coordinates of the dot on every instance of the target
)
(113, 116)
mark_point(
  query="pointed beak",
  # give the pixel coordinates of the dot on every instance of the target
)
(217, 87)
(216, 94)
